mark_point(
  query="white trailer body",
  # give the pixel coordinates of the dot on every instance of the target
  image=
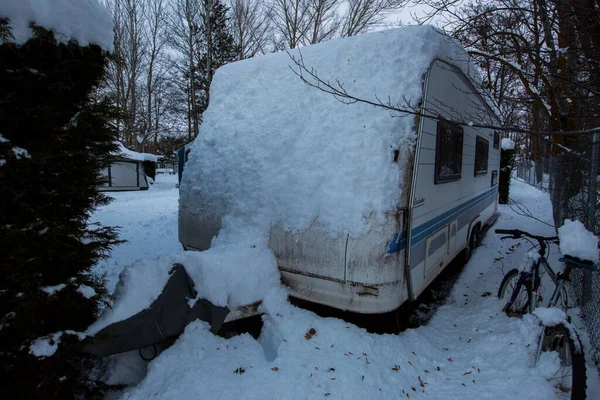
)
(449, 191)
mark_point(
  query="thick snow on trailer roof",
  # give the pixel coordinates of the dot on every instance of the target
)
(271, 143)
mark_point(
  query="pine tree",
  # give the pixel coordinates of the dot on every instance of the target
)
(55, 140)
(218, 48)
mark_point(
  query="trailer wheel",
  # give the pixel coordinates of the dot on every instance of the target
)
(472, 243)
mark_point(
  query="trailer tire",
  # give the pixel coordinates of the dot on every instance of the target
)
(472, 243)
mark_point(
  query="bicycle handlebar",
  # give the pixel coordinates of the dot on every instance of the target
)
(517, 233)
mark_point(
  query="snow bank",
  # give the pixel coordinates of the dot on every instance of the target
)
(270, 142)
(577, 241)
(85, 21)
(133, 155)
(507, 144)
(239, 269)
(463, 353)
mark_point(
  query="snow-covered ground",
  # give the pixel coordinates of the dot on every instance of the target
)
(147, 220)
(469, 348)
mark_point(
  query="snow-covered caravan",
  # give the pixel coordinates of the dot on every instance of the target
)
(126, 172)
(363, 209)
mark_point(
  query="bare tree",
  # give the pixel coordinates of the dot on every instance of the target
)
(250, 27)
(127, 62)
(185, 29)
(155, 21)
(325, 21)
(291, 22)
(365, 15)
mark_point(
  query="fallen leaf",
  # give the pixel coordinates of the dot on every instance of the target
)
(396, 368)
(413, 389)
(312, 331)
(410, 363)
(275, 369)
(463, 384)
(240, 371)
(317, 348)
(327, 394)
(438, 368)
(469, 341)
(331, 346)
(486, 294)
(478, 371)
(450, 359)
(331, 369)
(414, 353)
(473, 380)
(445, 348)
(362, 378)
(467, 373)
(426, 370)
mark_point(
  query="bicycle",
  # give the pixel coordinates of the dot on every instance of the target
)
(525, 285)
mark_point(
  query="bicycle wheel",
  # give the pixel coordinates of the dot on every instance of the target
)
(571, 376)
(520, 305)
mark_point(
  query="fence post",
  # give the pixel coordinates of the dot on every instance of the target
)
(592, 185)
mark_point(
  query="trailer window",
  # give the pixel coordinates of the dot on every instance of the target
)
(494, 178)
(448, 152)
(496, 140)
(482, 148)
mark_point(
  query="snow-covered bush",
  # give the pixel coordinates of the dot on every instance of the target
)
(54, 140)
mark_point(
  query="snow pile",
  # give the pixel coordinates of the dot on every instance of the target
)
(550, 316)
(85, 21)
(20, 152)
(507, 144)
(53, 289)
(239, 269)
(133, 155)
(270, 142)
(86, 291)
(577, 241)
(463, 353)
(46, 346)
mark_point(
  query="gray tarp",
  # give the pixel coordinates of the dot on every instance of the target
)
(165, 319)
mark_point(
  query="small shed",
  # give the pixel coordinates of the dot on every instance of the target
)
(127, 172)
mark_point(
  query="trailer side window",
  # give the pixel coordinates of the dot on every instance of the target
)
(494, 178)
(482, 148)
(448, 152)
(496, 140)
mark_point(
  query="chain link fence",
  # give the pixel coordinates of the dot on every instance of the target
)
(572, 178)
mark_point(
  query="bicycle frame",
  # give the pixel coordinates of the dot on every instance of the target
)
(559, 280)
(534, 277)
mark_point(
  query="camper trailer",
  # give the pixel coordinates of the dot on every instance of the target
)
(430, 177)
